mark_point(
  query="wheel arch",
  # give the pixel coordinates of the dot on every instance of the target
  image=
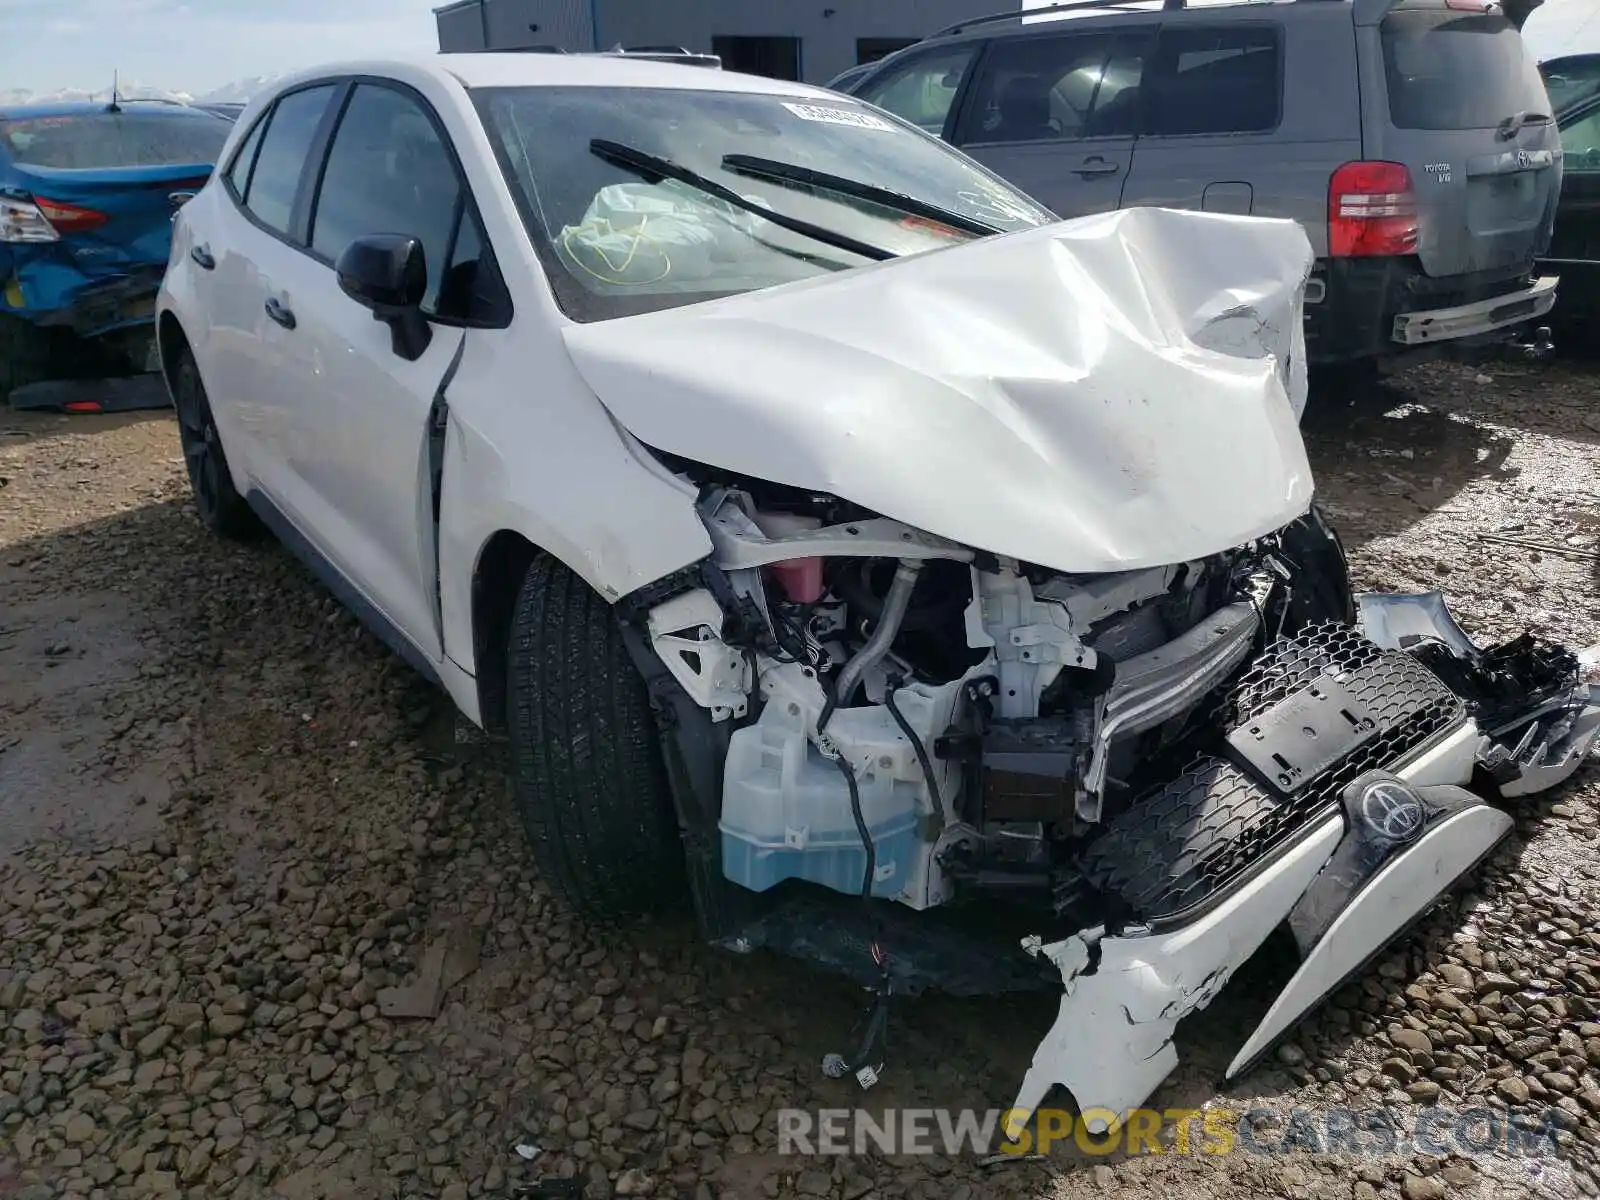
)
(497, 573)
(171, 340)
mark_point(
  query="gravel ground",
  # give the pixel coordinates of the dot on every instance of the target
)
(242, 849)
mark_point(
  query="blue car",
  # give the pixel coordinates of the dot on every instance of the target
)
(87, 196)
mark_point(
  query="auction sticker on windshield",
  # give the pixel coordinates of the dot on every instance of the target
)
(838, 116)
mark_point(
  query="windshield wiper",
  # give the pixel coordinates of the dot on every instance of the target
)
(1512, 125)
(652, 168)
(771, 169)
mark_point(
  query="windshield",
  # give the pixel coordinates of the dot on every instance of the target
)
(88, 141)
(615, 243)
(1449, 70)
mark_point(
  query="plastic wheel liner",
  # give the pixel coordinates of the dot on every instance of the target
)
(1355, 822)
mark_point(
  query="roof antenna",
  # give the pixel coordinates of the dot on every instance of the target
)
(113, 107)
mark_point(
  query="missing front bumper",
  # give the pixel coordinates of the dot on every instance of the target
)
(1347, 879)
(1348, 888)
(1402, 850)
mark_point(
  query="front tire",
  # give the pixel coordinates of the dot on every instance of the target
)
(220, 507)
(588, 776)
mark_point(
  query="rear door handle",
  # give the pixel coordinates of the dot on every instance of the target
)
(202, 257)
(279, 313)
(1097, 166)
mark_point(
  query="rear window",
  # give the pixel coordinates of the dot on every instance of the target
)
(1455, 70)
(1571, 81)
(1223, 80)
(95, 141)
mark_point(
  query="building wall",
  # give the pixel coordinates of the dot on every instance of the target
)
(517, 25)
(828, 43)
(828, 29)
(460, 28)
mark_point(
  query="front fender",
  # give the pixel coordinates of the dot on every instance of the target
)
(554, 469)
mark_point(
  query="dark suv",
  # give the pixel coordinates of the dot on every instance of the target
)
(1412, 139)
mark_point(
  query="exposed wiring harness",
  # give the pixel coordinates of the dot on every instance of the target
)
(861, 1064)
(941, 816)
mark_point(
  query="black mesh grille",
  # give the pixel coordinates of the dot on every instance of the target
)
(1174, 847)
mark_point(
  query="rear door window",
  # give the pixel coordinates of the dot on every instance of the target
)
(921, 91)
(1227, 79)
(1447, 69)
(244, 159)
(1049, 88)
(285, 147)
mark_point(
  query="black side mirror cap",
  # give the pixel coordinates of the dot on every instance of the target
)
(388, 273)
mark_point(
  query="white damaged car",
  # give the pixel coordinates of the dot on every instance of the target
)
(922, 586)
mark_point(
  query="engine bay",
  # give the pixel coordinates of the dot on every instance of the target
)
(915, 721)
(906, 759)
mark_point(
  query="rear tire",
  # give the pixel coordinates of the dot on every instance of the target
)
(24, 354)
(588, 776)
(220, 507)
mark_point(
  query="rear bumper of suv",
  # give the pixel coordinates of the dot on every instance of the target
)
(1480, 317)
(1387, 308)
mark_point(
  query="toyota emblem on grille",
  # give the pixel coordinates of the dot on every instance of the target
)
(1392, 812)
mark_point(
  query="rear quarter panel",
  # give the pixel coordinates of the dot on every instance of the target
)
(177, 297)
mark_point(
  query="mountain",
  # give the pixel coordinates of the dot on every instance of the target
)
(240, 91)
(237, 92)
(125, 91)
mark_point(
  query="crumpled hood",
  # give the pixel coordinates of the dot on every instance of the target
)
(1101, 394)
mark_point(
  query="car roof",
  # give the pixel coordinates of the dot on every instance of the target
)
(487, 70)
(77, 108)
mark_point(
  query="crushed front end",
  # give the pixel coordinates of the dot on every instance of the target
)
(1023, 657)
(929, 766)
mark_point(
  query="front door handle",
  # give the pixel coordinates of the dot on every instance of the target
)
(279, 313)
(1097, 166)
(202, 256)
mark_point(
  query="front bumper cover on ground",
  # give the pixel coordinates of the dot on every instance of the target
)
(1395, 837)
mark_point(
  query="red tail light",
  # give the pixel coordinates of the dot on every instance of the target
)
(69, 218)
(1372, 209)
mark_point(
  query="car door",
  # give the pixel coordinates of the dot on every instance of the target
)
(362, 413)
(921, 88)
(1056, 114)
(240, 247)
(1575, 246)
(1211, 133)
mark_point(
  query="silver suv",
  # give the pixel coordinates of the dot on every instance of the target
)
(1412, 139)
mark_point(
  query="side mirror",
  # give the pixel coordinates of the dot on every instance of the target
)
(388, 273)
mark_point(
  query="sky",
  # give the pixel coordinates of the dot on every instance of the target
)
(197, 45)
(1559, 27)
